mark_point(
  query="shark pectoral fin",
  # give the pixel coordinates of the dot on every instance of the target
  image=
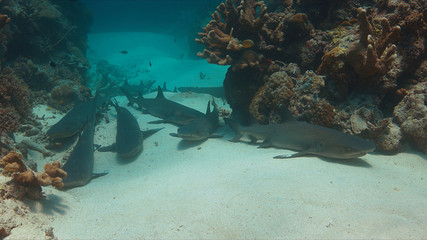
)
(215, 136)
(236, 138)
(299, 154)
(111, 148)
(265, 144)
(310, 151)
(158, 121)
(174, 135)
(97, 175)
(253, 140)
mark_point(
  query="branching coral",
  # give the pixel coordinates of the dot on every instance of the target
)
(373, 56)
(27, 183)
(224, 40)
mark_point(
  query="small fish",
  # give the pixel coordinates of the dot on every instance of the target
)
(149, 63)
(124, 52)
(248, 43)
(52, 63)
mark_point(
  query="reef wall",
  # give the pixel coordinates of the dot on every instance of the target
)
(356, 66)
(42, 56)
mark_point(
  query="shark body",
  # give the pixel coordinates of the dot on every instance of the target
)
(200, 128)
(214, 91)
(73, 122)
(79, 166)
(305, 138)
(169, 111)
(129, 136)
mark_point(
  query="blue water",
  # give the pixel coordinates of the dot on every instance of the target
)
(170, 16)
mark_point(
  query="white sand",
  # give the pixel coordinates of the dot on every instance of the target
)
(234, 190)
(224, 190)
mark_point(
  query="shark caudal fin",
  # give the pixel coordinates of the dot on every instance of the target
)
(149, 132)
(236, 129)
(213, 115)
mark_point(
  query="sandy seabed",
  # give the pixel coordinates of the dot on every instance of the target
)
(223, 190)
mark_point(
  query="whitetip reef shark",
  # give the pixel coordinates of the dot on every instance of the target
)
(79, 166)
(200, 128)
(169, 111)
(129, 136)
(307, 139)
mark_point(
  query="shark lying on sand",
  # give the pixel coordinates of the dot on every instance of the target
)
(129, 136)
(200, 128)
(73, 122)
(306, 138)
(169, 111)
(79, 166)
(213, 91)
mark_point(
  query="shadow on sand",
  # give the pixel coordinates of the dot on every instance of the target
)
(50, 205)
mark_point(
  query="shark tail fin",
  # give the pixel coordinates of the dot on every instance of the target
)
(150, 132)
(160, 92)
(214, 114)
(236, 129)
(115, 104)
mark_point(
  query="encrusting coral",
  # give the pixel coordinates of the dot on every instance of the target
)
(14, 101)
(27, 183)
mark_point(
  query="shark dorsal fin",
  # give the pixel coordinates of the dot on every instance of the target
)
(208, 108)
(160, 93)
(140, 95)
(286, 114)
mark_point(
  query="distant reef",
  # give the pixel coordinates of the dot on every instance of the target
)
(42, 56)
(356, 66)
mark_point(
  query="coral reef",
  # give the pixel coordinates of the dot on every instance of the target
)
(223, 40)
(368, 59)
(244, 35)
(276, 92)
(14, 101)
(24, 181)
(45, 42)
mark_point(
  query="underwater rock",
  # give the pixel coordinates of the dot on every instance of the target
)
(239, 88)
(390, 141)
(411, 113)
(307, 103)
(267, 102)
